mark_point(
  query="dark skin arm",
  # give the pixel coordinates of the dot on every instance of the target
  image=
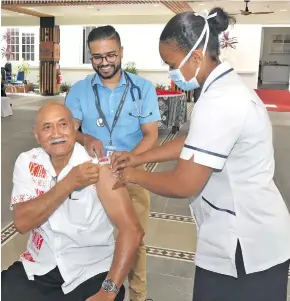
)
(33, 213)
(163, 153)
(150, 137)
(93, 146)
(120, 211)
(186, 180)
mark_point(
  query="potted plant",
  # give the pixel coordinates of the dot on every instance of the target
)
(131, 68)
(64, 88)
(24, 67)
(161, 87)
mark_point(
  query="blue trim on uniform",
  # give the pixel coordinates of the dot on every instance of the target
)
(217, 208)
(218, 77)
(205, 151)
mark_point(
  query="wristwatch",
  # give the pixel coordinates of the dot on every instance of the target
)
(110, 286)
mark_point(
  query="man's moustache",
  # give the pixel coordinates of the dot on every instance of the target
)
(57, 140)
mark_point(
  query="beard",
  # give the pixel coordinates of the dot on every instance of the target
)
(110, 75)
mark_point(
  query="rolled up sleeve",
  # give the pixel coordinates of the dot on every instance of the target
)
(23, 186)
(216, 125)
(149, 104)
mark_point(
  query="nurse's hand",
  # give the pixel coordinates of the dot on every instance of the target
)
(121, 160)
(125, 177)
(94, 146)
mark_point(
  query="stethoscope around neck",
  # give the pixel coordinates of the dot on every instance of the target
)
(133, 86)
(100, 121)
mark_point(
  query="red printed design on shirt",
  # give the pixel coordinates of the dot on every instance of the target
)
(21, 198)
(37, 240)
(37, 170)
(39, 192)
(26, 255)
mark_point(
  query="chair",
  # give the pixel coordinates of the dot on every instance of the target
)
(18, 83)
(8, 72)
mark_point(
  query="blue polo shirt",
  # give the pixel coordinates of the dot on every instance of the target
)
(127, 132)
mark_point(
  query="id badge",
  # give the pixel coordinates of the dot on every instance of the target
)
(110, 149)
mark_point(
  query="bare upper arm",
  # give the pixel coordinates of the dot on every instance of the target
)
(192, 177)
(117, 203)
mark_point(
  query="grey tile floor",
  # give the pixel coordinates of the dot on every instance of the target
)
(168, 279)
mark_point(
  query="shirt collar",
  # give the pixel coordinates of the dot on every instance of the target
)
(97, 80)
(221, 68)
(79, 156)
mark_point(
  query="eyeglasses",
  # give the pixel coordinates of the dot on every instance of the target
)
(110, 58)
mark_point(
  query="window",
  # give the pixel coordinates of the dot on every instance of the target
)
(20, 44)
(28, 46)
(12, 41)
(86, 51)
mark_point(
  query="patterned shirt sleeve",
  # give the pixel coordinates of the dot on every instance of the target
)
(22, 182)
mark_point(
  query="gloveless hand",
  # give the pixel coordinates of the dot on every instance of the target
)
(121, 160)
(83, 175)
(126, 176)
(94, 146)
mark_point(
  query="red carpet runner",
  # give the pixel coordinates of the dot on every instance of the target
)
(275, 100)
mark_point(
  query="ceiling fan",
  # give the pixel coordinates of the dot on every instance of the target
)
(247, 12)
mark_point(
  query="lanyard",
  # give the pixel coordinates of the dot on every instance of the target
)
(118, 112)
(221, 75)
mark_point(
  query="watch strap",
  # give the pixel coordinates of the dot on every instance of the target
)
(110, 286)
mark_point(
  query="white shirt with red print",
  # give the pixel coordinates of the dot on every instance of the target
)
(78, 236)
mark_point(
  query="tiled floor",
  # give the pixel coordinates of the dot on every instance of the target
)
(171, 237)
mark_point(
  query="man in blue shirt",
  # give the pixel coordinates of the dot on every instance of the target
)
(117, 111)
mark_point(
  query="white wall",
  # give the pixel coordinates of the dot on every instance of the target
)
(245, 58)
(141, 46)
(283, 58)
(71, 45)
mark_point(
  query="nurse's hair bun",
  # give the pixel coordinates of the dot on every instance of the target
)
(220, 22)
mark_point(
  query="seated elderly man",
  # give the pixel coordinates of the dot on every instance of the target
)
(67, 204)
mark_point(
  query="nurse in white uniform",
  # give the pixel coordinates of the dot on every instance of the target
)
(226, 165)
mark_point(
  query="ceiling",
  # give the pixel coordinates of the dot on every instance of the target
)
(69, 12)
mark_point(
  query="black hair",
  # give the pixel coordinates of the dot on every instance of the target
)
(107, 32)
(184, 30)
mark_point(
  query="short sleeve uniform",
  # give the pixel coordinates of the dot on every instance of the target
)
(230, 131)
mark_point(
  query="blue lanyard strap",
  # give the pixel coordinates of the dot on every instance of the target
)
(119, 109)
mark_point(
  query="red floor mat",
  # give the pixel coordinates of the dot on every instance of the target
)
(275, 100)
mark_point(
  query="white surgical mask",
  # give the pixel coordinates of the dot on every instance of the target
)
(176, 75)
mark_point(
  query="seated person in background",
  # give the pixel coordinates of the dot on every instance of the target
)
(67, 204)
(3, 78)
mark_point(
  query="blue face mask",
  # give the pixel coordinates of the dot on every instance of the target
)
(179, 80)
(176, 74)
